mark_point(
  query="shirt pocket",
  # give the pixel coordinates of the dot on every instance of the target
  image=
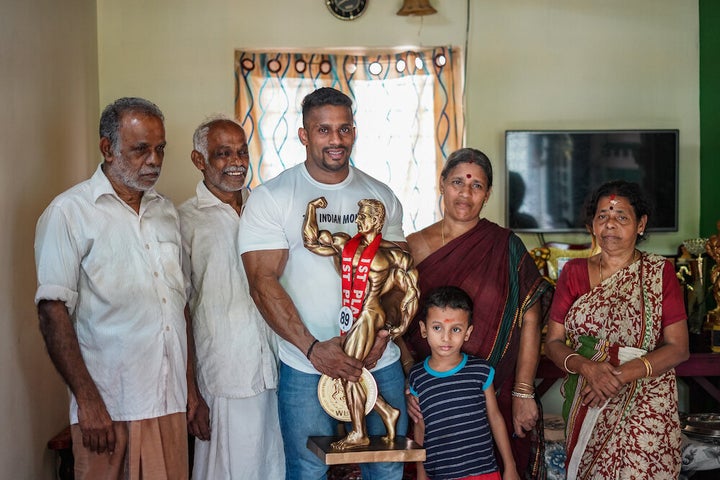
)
(170, 266)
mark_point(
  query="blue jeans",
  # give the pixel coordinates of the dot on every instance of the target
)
(301, 416)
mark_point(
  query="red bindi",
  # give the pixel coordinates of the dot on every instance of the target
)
(468, 175)
(447, 320)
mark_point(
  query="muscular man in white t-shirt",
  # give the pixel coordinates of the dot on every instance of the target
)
(299, 293)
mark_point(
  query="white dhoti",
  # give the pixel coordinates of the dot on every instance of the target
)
(245, 440)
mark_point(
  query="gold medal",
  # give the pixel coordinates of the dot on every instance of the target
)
(332, 395)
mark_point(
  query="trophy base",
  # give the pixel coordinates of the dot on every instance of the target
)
(402, 449)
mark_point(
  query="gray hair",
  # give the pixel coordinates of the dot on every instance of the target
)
(200, 140)
(112, 116)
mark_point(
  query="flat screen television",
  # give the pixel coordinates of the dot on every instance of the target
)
(551, 173)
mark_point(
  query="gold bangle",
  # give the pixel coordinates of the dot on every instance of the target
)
(520, 388)
(648, 367)
(567, 369)
(523, 384)
(523, 391)
(522, 395)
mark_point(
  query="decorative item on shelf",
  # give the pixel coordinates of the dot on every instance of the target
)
(696, 286)
(416, 7)
(550, 257)
(540, 256)
(561, 253)
(712, 247)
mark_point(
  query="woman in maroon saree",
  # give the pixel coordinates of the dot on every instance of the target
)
(493, 266)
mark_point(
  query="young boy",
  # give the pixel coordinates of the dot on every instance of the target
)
(457, 398)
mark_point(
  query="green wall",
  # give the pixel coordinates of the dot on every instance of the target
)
(709, 116)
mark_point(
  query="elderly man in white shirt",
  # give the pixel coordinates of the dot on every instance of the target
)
(111, 300)
(236, 366)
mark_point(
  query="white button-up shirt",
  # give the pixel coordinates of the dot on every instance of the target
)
(234, 346)
(120, 276)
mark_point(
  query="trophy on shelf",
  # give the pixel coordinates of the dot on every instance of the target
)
(696, 286)
(712, 247)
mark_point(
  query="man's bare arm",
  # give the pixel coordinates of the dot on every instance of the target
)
(62, 345)
(198, 413)
(264, 268)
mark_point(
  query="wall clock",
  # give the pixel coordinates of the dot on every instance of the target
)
(346, 9)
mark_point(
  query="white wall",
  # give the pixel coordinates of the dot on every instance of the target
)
(564, 64)
(48, 113)
(531, 64)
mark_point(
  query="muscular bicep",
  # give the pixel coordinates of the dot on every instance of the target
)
(264, 266)
(399, 267)
(328, 244)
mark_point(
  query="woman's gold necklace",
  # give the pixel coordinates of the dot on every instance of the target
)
(632, 259)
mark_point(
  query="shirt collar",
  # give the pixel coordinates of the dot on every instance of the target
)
(206, 199)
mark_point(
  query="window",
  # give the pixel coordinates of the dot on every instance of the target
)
(408, 114)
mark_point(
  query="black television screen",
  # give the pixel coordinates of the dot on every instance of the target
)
(551, 173)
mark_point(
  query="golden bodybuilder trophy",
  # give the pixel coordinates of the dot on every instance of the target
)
(370, 267)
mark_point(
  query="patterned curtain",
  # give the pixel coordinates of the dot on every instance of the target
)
(407, 107)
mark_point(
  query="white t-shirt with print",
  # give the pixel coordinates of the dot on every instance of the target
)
(273, 219)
